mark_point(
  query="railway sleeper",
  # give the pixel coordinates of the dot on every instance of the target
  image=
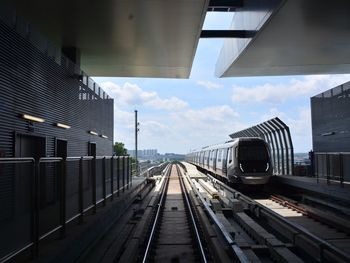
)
(278, 250)
(235, 204)
(241, 242)
(333, 206)
(301, 241)
(168, 242)
(324, 217)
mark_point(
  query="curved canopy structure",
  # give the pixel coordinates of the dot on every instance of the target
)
(276, 133)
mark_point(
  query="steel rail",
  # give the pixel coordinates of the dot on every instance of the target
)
(323, 245)
(190, 208)
(237, 251)
(160, 205)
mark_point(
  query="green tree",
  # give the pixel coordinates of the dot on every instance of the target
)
(119, 149)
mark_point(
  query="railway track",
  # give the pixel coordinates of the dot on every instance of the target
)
(233, 226)
(304, 233)
(315, 223)
(175, 234)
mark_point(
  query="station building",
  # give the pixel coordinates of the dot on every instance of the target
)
(330, 114)
(48, 106)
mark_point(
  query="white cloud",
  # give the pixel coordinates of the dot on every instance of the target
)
(201, 127)
(123, 125)
(133, 95)
(209, 115)
(209, 85)
(151, 128)
(179, 131)
(277, 93)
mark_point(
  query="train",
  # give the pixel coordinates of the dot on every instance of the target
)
(245, 160)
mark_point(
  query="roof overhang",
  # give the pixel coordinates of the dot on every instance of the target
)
(292, 37)
(153, 38)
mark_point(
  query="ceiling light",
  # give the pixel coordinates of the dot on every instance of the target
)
(93, 133)
(32, 118)
(328, 133)
(104, 136)
(63, 126)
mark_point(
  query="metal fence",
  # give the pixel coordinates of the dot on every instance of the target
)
(154, 170)
(332, 166)
(39, 197)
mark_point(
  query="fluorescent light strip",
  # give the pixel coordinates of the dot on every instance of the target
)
(104, 136)
(32, 118)
(63, 126)
(93, 133)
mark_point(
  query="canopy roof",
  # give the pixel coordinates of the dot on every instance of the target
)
(292, 37)
(153, 38)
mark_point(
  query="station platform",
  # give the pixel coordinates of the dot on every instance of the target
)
(193, 172)
(80, 237)
(329, 188)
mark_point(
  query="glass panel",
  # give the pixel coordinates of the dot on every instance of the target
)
(252, 153)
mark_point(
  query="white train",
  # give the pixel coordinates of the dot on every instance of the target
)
(241, 161)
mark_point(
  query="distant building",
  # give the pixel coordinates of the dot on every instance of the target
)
(48, 106)
(153, 155)
(148, 154)
(173, 157)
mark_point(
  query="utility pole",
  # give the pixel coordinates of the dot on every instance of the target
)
(136, 132)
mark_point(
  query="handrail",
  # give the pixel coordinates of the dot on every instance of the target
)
(50, 159)
(332, 153)
(13, 160)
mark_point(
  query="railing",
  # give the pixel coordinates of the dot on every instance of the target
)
(40, 197)
(334, 167)
(154, 170)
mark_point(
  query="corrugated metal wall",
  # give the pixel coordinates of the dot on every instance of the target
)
(32, 82)
(330, 112)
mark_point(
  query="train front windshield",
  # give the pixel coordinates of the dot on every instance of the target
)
(253, 157)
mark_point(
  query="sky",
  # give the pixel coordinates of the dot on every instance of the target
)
(180, 115)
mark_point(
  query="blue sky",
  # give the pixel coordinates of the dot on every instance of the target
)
(177, 115)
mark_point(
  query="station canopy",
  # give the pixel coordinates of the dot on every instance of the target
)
(134, 38)
(292, 37)
(159, 38)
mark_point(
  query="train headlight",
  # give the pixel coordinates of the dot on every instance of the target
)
(240, 167)
(267, 167)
